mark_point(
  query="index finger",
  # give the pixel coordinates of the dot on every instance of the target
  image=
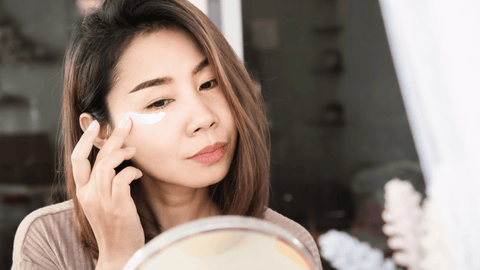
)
(80, 163)
(117, 138)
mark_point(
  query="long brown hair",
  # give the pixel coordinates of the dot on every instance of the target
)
(90, 71)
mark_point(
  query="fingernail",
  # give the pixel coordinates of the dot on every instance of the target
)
(123, 122)
(92, 126)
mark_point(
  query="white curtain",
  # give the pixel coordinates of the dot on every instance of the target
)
(230, 20)
(201, 4)
(435, 45)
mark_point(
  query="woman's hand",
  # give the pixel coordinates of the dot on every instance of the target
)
(105, 197)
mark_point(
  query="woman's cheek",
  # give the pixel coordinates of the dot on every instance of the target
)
(144, 125)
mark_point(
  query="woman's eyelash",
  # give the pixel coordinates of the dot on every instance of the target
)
(208, 85)
(163, 102)
(159, 104)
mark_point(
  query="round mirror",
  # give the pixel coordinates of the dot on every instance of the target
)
(223, 242)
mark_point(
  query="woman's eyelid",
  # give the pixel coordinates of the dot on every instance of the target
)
(213, 81)
(165, 100)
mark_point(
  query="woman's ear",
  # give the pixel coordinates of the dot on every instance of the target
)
(85, 120)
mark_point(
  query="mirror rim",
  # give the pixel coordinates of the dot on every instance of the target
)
(211, 224)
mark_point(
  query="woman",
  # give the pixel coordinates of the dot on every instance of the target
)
(162, 125)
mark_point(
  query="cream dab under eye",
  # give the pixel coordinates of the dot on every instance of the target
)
(146, 119)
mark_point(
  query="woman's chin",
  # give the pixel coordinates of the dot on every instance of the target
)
(194, 181)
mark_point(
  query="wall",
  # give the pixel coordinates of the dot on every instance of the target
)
(378, 131)
(313, 163)
(294, 95)
(47, 23)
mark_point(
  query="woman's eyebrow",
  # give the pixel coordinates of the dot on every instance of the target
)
(167, 80)
(152, 82)
(200, 66)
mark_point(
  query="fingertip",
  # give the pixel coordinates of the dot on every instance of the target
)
(130, 152)
(129, 124)
(127, 128)
(139, 174)
(125, 122)
(93, 126)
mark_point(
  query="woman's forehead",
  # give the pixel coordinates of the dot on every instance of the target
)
(165, 53)
(164, 42)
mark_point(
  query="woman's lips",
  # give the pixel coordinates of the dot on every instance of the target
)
(211, 154)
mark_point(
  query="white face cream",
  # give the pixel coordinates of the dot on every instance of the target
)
(146, 119)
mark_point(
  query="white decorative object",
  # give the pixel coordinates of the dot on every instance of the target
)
(345, 252)
(417, 235)
(402, 216)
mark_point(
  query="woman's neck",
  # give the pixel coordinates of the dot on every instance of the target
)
(173, 205)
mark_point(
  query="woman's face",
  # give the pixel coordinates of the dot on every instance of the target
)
(197, 114)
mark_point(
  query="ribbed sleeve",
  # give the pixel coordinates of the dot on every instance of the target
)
(47, 239)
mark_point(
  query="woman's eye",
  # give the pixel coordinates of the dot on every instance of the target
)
(209, 84)
(159, 104)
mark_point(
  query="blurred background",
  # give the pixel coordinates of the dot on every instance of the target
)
(338, 123)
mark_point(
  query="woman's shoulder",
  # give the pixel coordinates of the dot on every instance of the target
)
(48, 239)
(45, 218)
(293, 227)
(297, 230)
(53, 209)
(284, 222)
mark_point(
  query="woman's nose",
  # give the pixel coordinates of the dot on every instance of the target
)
(202, 118)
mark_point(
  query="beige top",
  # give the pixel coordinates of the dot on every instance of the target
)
(47, 239)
